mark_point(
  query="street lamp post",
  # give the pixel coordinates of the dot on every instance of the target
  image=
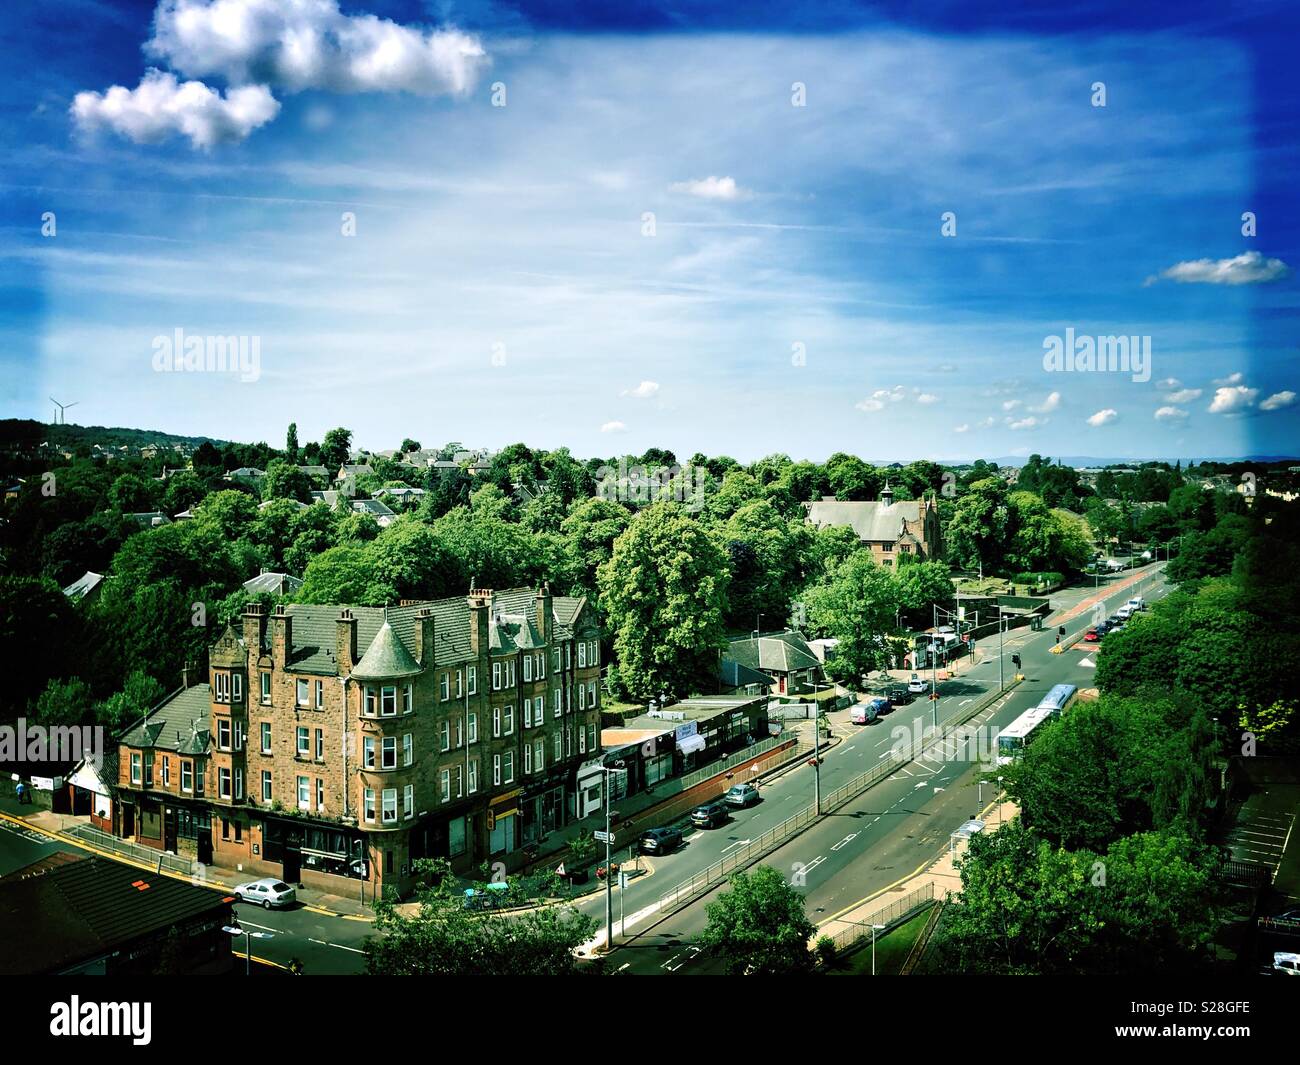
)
(235, 930)
(874, 929)
(609, 872)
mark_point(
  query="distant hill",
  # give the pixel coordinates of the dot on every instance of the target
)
(25, 432)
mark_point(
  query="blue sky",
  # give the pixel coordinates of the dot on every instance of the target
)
(793, 292)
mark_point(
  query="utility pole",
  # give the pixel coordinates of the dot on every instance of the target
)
(609, 873)
(817, 761)
(1002, 684)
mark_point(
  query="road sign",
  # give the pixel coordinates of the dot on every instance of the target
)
(604, 837)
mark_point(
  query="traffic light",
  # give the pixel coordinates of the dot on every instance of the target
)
(1061, 630)
(1015, 661)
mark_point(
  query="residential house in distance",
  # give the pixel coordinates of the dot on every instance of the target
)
(891, 529)
(85, 588)
(149, 519)
(318, 474)
(351, 470)
(246, 474)
(274, 583)
(783, 658)
(336, 745)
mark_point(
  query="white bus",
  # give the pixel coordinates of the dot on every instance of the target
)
(1016, 737)
(1059, 699)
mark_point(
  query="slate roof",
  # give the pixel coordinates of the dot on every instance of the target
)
(386, 658)
(179, 723)
(66, 913)
(873, 520)
(83, 586)
(315, 628)
(734, 675)
(274, 583)
(784, 652)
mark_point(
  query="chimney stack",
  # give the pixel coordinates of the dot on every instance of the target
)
(424, 646)
(281, 636)
(544, 612)
(480, 609)
(345, 641)
(254, 630)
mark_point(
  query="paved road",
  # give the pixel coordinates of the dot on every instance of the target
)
(869, 843)
(895, 828)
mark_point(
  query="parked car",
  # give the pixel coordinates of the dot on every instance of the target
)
(916, 685)
(1125, 612)
(741, 795)
(898, 695)
(267, 892)
(1286, 963)
(710, 814)
(659, 840)
(1092, 635)
(1136, 603)
(489, 897)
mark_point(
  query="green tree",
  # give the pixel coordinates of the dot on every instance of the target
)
(855, 603)
(335, 448)
(664, 595)
(285, 481)
(66, 701)
(291, 443)
(443, 938)
(589, 531)
(759, 926)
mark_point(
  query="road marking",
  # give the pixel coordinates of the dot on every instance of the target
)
(738, 843)
(845, 841)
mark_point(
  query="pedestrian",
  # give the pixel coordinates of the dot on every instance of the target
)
(21, 792)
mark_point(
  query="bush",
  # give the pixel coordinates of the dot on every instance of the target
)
(825, 950)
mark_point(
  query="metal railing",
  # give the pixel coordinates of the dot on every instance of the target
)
(160, 860)
(713, 769)
(896, 911)
(754, 849)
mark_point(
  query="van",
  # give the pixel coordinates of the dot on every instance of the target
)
(1137, 603)
(866, 712)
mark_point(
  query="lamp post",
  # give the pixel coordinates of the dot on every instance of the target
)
(609, 872)
(235, 930)
(874, 929)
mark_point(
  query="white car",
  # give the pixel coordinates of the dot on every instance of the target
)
(1125, 612)
(916, 685)
(1286, 964)
(1137, 603)
(268, 892)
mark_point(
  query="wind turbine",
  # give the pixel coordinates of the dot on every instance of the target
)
(59, 416)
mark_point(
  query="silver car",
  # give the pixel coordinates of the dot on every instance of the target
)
(268, 892)
(741, 795)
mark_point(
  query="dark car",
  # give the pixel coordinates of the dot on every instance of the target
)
(709, 815)
(898, 695)
(659, 840)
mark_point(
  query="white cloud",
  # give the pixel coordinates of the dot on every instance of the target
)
(160, 107)
(1169, 384)
(869, 405)
(1103, 417)
(1025, 423)
(644, 390)
(1011, 404)
(964, 428)
(311, 44)
(927, 398)
(1233, 400)
(1049, 404)
(1170, 414)
(1248, 268)
(712, 188)
(1231, 379)
(1183, 395)
(613, 427)
(1278, 400)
